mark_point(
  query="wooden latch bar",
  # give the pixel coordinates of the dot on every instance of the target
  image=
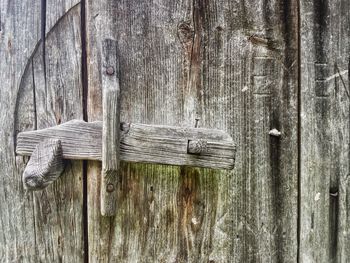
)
(138, 143)
(198, 147)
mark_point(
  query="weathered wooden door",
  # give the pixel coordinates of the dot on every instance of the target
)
(273, 74)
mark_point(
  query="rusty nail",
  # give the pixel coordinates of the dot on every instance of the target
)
(110, 70)
(196, 124)
(110, 188)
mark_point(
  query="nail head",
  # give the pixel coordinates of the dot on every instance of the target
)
(110, 188)
(196, 123)
(110, 70)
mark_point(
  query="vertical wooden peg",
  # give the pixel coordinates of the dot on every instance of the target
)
(111, 127)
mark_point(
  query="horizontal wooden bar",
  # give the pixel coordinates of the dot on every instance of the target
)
(138, 143)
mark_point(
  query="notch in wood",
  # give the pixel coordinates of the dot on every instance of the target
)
(110, 129)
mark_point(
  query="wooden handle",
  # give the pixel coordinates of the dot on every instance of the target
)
(45, 165)
(111, 128)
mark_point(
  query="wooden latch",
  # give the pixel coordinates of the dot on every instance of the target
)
(111, 141)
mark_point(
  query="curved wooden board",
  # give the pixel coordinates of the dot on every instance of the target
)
(44, 226)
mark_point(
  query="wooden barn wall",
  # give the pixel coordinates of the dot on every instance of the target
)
(243, 66)
(233, 64)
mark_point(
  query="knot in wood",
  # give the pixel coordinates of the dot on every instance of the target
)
(185, 33)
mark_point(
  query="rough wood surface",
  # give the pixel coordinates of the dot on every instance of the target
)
(111, 127)
(234, 65)
(139, 143)
(45, 165)
(199, 146)
(325, 127)
(41, 226)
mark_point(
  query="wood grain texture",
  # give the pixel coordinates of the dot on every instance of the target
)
(110, 128)
(45, 165)
(200, 146)
(139, 143)
(41, 226)
(233, 64)
(324, 163)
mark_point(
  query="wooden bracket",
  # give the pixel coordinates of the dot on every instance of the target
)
(111, 141)
(110, 129)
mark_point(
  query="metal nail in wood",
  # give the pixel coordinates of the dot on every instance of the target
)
(197, 146)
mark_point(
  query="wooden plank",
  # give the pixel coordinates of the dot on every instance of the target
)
(185, 59)
(42, 226)
(111, 128)
(324, 157)
(139, 143)
(263, 74)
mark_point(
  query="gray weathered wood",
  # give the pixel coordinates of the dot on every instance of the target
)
(183, 59)
(43, 226)
(111, 128)
(324, 134)
(197, 146)
(45, 165)
(139, 143)
(234, 64)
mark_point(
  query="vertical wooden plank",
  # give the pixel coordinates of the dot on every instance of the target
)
(233, 64)
(251, 89)
(59, 102)
(325, 29)
(111, 128)
(43, 226)
(100, 25)
(339, 188)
